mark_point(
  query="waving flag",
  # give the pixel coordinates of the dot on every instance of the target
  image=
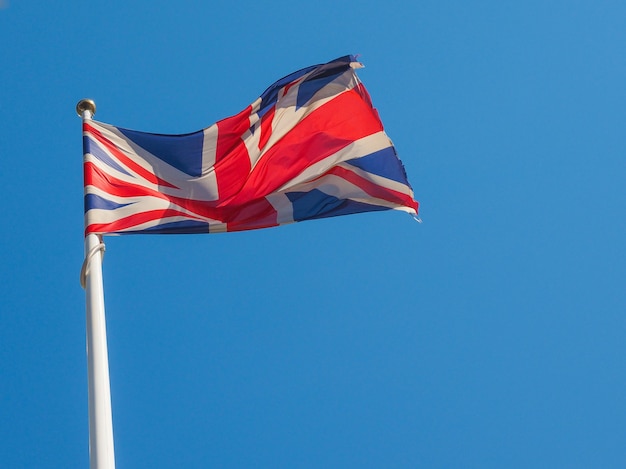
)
(311, 146)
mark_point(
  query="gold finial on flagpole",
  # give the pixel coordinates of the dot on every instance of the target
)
(86, 105)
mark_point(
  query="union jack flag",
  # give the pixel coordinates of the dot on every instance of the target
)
(311, 146)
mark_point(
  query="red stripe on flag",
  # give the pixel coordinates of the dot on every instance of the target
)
(256, 214)
(266, 127)
(374, 189)
(232, 162)
(94, 176)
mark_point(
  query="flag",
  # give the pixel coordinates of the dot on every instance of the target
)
(311, 146)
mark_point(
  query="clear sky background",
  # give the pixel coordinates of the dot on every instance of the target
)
(492, 335)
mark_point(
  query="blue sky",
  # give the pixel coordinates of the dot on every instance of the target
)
(489, 336)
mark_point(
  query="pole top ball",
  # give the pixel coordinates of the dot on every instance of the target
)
(86, 105)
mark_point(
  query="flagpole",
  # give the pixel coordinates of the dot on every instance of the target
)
(101, 451)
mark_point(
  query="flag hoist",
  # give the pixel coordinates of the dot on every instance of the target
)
(101, 452)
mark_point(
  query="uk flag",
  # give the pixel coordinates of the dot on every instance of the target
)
(311, 146)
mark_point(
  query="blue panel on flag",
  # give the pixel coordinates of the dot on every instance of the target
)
(183, 152)
(179, 227)
(321, 77)
(317, 204)
(309, 87)
(93, 201)
(270, 95)
(382, 163)
(89, 146)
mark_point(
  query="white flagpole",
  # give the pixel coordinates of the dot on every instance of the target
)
(101, 453)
